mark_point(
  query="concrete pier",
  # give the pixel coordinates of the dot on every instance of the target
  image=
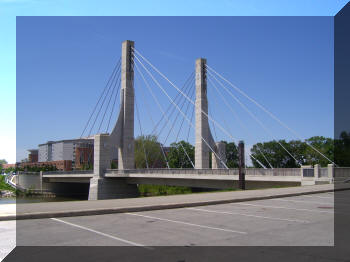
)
(220, 150)
(121, 137)
(202, 126)
(202, 133)
(126, 149)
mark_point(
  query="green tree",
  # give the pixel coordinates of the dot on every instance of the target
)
(301, 151)
(177, 157)
(150, 146)
(342, 150)
(2, 161)
(277, 155)
(231, 154)
(322, 144)
(41, 168)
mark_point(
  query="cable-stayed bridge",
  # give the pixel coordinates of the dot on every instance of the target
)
(187, 113)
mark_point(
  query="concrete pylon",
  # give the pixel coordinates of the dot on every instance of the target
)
(220, 150)
(203, 134)
(126, 148)
(202, 125)
(121, 137)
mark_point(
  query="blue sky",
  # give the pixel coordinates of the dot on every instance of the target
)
(264, 58)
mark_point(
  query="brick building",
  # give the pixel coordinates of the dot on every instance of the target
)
(33, 155)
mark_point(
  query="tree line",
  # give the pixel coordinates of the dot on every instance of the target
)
(272, 153)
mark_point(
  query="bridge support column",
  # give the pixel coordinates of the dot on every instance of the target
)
(220, 149)
(101, 163)
(126, 148)
(121, 137)
(202, 125)
(307, 175)
(102, 154)
(203, 134)
(107, 188)
(316, 171)
(111, 188)
(330, 172)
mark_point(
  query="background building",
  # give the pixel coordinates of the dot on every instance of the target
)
(33, 156)
(78, 151)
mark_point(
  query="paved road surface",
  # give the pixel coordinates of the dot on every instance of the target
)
(306, 220)
(7, 237)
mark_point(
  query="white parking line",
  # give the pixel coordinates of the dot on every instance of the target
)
(100, 233)
(188, 224)
(264, 217)
(291, 208)
(331, 198)
(299, 201)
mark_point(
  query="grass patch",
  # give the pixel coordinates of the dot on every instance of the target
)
(156, 190)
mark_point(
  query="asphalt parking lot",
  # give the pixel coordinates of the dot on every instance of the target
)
(306, 220)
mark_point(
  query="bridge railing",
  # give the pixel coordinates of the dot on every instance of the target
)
(342, 172)
(175, 171)
(68, 172)
(27, 173)
(191, 171)
(323, 172)
(273, 172)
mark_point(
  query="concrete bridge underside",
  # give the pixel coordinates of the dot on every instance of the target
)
(118, 185)
(209, 181)
(200, 181)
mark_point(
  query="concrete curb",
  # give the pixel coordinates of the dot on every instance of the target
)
(102, 211)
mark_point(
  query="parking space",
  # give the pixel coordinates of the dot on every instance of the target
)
(298, 221)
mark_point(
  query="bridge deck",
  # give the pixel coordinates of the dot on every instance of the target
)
(287, 175)
(198, 176)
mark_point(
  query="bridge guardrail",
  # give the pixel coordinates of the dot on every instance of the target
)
(171, 171)
(323, 172)
(231, 171)
(68, 172)
(27, 173)
(342, 172)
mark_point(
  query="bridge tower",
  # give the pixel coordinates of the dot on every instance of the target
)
(126, 147)
(202, 132)
(121, 138)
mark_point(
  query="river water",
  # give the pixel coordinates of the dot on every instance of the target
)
(7, 200)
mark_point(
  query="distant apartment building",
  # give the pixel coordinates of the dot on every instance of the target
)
(65, 154)
(78, 151)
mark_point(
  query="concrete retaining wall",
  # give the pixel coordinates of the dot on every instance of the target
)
(29, 180)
